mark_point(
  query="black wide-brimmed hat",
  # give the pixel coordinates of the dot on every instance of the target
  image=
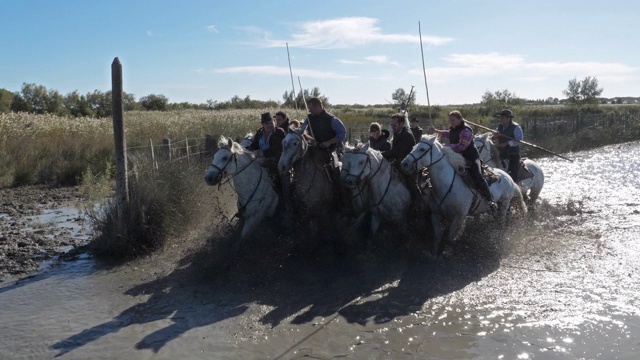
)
(505, 112)
(266, 117)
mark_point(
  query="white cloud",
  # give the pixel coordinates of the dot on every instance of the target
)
(279, 70)
(351, 62)
(212, 29)
(149, 33)
(381, 59)
(490, 64)
(347, 32)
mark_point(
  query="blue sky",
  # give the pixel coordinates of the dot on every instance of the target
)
(354, 51)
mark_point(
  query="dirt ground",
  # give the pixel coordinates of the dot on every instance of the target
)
(27, 239)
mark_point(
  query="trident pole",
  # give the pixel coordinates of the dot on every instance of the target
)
(520, 141)
(293, 94)
(424, 71)
(306, 107)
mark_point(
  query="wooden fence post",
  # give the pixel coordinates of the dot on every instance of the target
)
(154, 163)
(166, 145)
(120, 143)
(186, 143)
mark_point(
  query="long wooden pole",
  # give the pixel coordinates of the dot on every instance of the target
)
(306, 107)
(520, 141)
(424, 71)
(293, 94)
(120, 143)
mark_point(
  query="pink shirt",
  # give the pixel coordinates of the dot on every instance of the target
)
(466, 137)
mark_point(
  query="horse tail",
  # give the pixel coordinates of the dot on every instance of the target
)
(518, 201)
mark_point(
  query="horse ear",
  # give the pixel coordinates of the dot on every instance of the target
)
(230, 143)
(365, 147)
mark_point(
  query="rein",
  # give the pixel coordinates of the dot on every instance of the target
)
(235, 158)
(368, 180)
(415, 159)
(255, 189)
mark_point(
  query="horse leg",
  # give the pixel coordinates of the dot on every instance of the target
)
(436, 223)
(456, 226)
(250, 225)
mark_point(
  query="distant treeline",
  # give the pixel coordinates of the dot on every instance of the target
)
(37, 99)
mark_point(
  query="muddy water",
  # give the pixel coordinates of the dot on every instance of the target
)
(563, 285)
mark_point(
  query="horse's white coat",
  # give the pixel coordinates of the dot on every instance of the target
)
(451, 198)
(489, 155)
(369, 175)
(250, 181)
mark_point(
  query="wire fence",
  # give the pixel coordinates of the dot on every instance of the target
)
(150, 158)
(536, 127)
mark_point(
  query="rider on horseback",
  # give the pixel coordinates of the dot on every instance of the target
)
(329, 133)
(460, 138)
(267, 145)
(401, 145)
(509, 146)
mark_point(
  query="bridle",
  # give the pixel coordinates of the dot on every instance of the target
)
(234, 157)
(430, 152)
(369, 178)
(431, 163)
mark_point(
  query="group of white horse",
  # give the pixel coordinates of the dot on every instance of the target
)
(374, 186)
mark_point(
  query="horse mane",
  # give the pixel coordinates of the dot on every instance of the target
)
(455, 159)
(495, 152)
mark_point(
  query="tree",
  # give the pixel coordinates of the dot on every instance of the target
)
(297, 101)
(6, 98)
(37, 99)
(582, 92)
(77, 105)
(154, 102)
(402, 99)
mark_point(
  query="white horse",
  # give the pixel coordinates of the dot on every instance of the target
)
(311, 184)
(489, 154)
(257, 198)
(374, 187)
(451, 198)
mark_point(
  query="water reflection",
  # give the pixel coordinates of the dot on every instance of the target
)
(564, 284)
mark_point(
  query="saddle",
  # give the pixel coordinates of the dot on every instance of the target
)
(523, 172)
(487, 174)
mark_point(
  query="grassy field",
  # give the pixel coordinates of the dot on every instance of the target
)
(46, 149)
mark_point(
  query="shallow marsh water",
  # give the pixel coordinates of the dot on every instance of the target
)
(564, 285)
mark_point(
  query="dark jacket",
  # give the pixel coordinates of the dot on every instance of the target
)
(381, 143)
(508, 131)
(402, 144)
(285, 126)
(275, 143)
(321, 126)
(471, 152)
(417, 133)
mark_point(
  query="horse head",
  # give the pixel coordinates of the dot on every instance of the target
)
(294, 147)
(357, 167)
(225, 161)
(425, 153)
(485, 147)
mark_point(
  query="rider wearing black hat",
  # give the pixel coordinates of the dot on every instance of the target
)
(509, 144)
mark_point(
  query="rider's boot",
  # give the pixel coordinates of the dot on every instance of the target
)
(486, 193)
